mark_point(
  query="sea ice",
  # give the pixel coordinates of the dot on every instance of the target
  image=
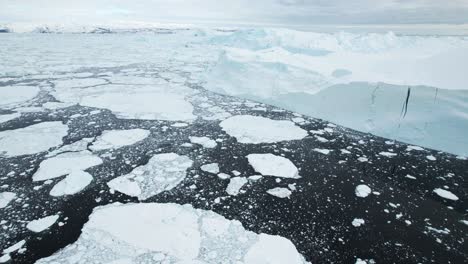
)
(357, 222)
(235, 184)
(32, 139)
(272, 165)
(204, 141)
(112, 139)
(280, 192)
(362, 190)
(255, 129)
(13, 96)
(73, 183)
(446, 194)
(6, 118)
(162, 173)
(42, 224)
(6, 198)
(211, 168)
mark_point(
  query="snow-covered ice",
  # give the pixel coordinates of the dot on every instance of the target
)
(42, 224)
(172, 233)
(8, 117)
(13, 96)
(211, 168)
(112, 139)
(362, 190)
(206, 142)
(272, 165)
(162, 173)
(6, 198)
(32, 139)
(280, 192)
(235, 184)
(446, 194)
(64, 164)
(255, 129)
(73, 183)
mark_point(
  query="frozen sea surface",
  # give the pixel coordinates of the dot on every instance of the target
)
(91, 137)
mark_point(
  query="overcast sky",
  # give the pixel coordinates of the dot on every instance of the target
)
(236, 11)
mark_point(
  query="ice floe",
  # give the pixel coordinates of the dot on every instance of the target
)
(235, 184)
(204, 141)
(6, 118)
(112, 139)
(446, 194)
(162, 172)
(172, 233)
(73, 183)
(280, 192)
(13, 96)
(42, 224)
(6, 198)
(272, 165)
(323, 151)
(211, 168)
(32, 139)
(362, 190)
(255, 129)
(64, 164)
(13, 248)
(357, 222)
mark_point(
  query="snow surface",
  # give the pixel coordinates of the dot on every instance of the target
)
(42, 224)
(162, 173)
(362, 190)
(255, 129)
(13, 96)
(280, 192)
(446, 194)
(73, 183)
(235, 184)
(32, 139)
(172, 233)
(6, 118)
(112, 139)
(204, 141)
(65, 163)
(6, 198)
(272, 165)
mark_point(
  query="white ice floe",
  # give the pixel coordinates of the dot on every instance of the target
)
(430, 157)
(446, 194)
(112, 139)
(162, 173)
(73, 183)
(204, 141)
(76, 146)
(362, 190)
(6, 198)
(13, 96)
(409, 148)
(64, 164)
(357, 222)
(235, 184)
(323, 151)
(255, 129)
(32, 139)
(171, 233)
(14, 247)
(224, 176)
(42, 224)
(134, 101)
(211, 168)
(272, 165)
(280, 192)
(387, 154)
(6, 118)
(410, 177)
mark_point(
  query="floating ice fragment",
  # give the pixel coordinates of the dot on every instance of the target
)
(6, 198)
(42, 224)
(357, 222)
(446, 194)
(204, 141)
(73, 183)
(272, 165)
(362, 190)
(280, 192)
(112, 139)
(235, 184)
(211, 168)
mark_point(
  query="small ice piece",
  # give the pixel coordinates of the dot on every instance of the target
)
(162, 173)
(272, 165)
(409, 148)
(357, 222)
(223, 176)
(75, 182)
(210, 168)
(32, 139)
(323, 151)
(14, 247)
(113, 139)
(64, 164)
(465, 222)
(410, 177)
(362, 190)
(42, 224)
(180, 124)
(360, 261)
(255, 177)
(445, 194)
(6, 118)
(235, 184)
(345, 151)
(362, 159)
(430, 157)
(255, 129)
(387, 154)
(204, 141)
(6, 198)
(280, 192)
